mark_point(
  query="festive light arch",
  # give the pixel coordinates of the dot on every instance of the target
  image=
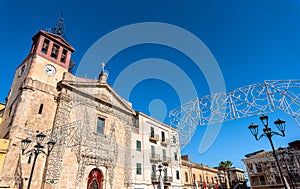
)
(243, 102)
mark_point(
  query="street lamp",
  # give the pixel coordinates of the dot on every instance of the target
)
(36, 150)
(280, 124)
(160, 168)
(281, 153)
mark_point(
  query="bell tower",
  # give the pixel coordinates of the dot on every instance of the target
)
(31, 103)
(35, 81)
(53, 55)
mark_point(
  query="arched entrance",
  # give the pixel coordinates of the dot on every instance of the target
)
(95, 179)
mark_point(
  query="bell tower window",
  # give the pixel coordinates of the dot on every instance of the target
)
(45, 46)
(54, 52)
(63, 56)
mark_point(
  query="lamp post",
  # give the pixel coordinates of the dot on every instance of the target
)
(280, 124)
(36, 150)
(281, 153)
(161, 168)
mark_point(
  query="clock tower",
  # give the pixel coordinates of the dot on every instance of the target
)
(32, 100)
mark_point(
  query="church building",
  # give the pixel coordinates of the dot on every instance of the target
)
(66, 132)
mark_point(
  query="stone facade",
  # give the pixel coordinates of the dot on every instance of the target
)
(2, 107)
(94, 128)
(263, 172)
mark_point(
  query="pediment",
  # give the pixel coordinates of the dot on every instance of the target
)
(101, 93)
(108, 95)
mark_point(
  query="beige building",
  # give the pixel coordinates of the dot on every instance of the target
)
(3, 143)
(101, 141)
(200, 176)
(263, 172)
(237, 178)
(2, 107)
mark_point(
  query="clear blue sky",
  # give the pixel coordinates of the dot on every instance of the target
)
(252, 41)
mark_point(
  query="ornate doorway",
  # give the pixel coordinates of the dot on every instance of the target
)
(95, 179)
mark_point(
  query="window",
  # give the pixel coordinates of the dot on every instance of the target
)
(186, 177)
(153, 174)
(45, 46)
(272, 164)
(54, 52)
(163, 136)
(174, 139)
(175, 156)
(138, 145)
(165, 174)
(164, 154)
(177, 175)
(258, 168)
(152, 132)
(138, 169)
(100, 125)
(63, 56)
(153, 169)
(41, 109)
(200, 178)
(194, 177)
(152, 151)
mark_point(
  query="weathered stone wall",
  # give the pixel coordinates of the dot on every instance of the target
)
(82, 148)
(26, 120)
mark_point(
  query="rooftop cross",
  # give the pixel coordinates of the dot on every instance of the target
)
(103, 74)
(102, 66)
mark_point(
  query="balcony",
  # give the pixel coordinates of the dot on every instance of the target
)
(259, 170)
(154, 157)
(165, 141)
(257, 183)
(153, 137)
(166, 179)
(154, 177)
(166, 160)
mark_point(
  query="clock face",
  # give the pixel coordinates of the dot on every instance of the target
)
(50, 70)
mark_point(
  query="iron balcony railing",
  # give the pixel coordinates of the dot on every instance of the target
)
(155, 178)
(154, 157)
(154, 137)
(165, 141)
(166, 160)
(168, 179)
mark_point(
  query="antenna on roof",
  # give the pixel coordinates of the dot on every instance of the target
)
(59, 28)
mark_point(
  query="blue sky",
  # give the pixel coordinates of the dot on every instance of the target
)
(252, 41)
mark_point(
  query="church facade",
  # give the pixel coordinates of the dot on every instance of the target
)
(101, 141)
